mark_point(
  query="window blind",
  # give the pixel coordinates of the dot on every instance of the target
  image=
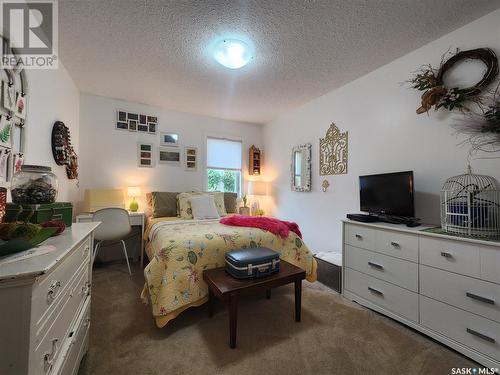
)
(223, 154)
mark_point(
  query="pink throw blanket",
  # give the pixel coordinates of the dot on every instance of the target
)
(279, 227)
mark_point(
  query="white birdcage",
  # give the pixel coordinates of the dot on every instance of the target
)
(470, 206)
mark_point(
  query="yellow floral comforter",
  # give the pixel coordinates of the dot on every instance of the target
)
(181, 249)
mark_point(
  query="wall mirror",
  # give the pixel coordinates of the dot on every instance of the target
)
(301, 167)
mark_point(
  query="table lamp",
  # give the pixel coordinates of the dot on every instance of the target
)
(257, 188)
(134, 192)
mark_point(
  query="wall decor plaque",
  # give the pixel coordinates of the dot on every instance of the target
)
(333, 152)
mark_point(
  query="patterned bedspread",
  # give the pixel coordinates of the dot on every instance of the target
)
(180, 250)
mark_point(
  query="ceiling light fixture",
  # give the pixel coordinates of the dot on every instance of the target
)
(232, 53)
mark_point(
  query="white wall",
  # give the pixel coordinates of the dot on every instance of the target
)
(385, 135)
(110, 156)
(52, 96)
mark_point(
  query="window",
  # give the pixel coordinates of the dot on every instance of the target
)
(223, 165)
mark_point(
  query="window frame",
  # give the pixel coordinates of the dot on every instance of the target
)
(207, 167)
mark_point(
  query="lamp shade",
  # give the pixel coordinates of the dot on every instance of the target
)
(257, 188)
(134, 191)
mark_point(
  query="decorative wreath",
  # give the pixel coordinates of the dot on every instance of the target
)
(63, 151)
(438, 95)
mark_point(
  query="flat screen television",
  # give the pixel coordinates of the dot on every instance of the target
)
(387, 194)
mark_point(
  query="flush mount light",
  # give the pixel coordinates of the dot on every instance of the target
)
(232, 53)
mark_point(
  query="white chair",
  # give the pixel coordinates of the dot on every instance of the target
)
(115, 225)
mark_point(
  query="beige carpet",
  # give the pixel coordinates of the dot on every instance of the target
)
(334, 337)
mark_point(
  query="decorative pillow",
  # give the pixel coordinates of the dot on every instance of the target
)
(203, 207)
(185, 211)
(184, 206)
(230, 202)
(163, 204)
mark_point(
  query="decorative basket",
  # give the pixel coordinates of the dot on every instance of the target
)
(470, 206)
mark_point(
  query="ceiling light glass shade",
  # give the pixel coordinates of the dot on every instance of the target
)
(232, 53)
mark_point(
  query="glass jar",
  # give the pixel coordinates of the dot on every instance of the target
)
(34, 184)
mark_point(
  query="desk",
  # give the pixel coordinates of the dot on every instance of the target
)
(136, 219)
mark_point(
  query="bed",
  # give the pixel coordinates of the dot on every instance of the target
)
(179, 251)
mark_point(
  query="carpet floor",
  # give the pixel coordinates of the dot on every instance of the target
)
(334, 337)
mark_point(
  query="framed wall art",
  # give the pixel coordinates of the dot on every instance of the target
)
(170, 156)
(121, 125)
(132, 125)
(136, 122)
(333, 152)
(9, 96)
(145, 154)
(5, 131)
(169, 139)
(191, 158)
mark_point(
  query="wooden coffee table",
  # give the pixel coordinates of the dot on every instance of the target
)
(223, 286)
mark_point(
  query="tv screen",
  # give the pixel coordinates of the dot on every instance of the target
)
(388, 194)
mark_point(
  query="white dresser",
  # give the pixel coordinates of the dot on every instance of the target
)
(443, 286)
(45, 311)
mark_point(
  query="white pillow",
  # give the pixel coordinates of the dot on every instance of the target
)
(203, 207)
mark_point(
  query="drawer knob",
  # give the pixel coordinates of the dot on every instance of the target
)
(48, 358)
(480, 298)
(53, 291)
(395, 244)
(376, 265)
(446, 254)
(376, 291)
(481, 335)
(86, 250)
(358, 236)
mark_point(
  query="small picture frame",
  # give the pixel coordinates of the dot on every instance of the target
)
(151, 127)
(121, 116)
(9, 96)
(142, 128)
(169, 155)
(145, 155)
(153, 119)
(132, 125)
(191, 158)
(20, 108)
(121, 125)
(18, 162)
(168, 139)
(143, 119)
(5, 131)
(133, 116)
(5, 154)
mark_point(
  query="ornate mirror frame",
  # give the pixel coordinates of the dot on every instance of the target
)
(305, 150)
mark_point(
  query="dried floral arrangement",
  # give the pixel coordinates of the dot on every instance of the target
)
(483, 129)
(436, 93)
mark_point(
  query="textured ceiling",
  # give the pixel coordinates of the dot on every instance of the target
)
(156, 52)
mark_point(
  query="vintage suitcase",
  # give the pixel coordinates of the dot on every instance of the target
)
(252, 263)
(38, 213)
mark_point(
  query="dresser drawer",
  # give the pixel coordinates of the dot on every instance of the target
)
(76, 344)
(490, 263)
(400, 245)
(47, 347)
(78, 289)
(393, 270)
(477, 296)
(454, 256)
(359, 236)
(47, 292)
(469, 329)
(388, 296)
